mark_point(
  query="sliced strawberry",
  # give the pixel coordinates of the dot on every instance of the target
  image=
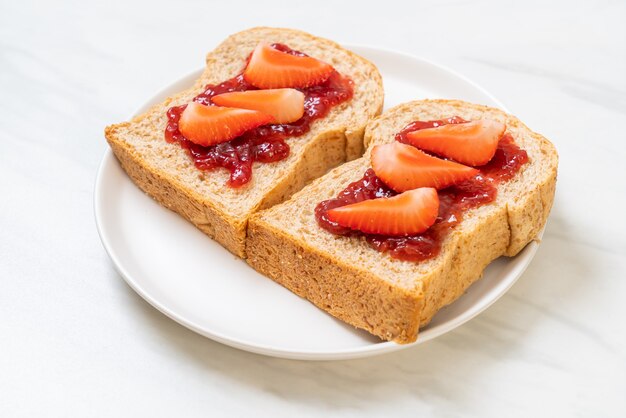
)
(403, 167)
(473, 143)
(270, 68)
(409, 213)
(285, 105)
(210, 125)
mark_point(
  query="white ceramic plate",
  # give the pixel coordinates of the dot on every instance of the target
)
(196, 282)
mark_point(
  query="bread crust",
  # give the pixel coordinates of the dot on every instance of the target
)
(401, 297)
(164, 172)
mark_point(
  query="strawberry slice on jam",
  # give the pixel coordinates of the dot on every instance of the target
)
(270, 68)
(285, 105)
(403, 167)
(408, 213)
(211, 125)
(472, 143)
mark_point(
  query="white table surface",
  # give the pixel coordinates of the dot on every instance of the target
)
(75, 340)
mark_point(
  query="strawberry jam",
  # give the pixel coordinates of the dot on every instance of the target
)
(454, 201)
(266, 143)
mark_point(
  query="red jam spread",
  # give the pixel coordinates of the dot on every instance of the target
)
(454, 201)
(266, 143)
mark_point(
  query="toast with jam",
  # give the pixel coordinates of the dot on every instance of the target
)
(272, 110)
(385, 241)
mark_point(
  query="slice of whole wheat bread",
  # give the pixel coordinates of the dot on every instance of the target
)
(165, 172)
(370, 290)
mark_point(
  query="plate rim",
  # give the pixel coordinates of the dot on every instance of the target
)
(524, 257)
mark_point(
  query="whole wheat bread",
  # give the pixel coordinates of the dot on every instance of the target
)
(165, 172)
(370, 290)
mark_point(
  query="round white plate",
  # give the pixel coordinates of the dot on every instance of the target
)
(193, 280)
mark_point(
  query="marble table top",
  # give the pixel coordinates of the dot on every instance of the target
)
(75, 340)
